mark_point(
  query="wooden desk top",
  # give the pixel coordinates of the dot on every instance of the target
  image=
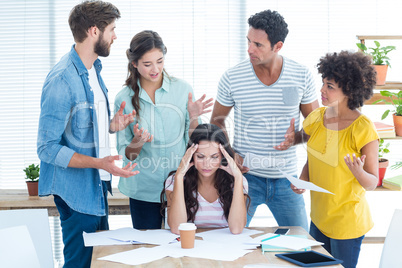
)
(255, 257)
(19, 199)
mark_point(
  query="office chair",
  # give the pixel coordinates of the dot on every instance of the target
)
(37, 223)
(390, 257)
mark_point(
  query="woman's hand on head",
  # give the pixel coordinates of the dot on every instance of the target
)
(141, 135)
(232, 167)
(185, 163)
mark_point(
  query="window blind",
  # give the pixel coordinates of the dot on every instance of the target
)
(203, 37)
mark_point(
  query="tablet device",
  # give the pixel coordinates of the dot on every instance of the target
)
(309, 258)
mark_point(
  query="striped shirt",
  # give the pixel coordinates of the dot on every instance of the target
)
(209, 215)
(262, 113)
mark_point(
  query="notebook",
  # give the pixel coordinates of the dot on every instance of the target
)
(394, 183)
(269, 248)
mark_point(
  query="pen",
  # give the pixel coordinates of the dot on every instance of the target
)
(269, 238)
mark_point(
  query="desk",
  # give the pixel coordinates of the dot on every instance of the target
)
(19, 199)
(252, 258)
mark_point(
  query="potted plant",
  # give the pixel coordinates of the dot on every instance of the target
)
(396, 101)
(382, 162)
(32, 177)
(380, 59)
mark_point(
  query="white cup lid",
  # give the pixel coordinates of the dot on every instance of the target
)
(188, 226)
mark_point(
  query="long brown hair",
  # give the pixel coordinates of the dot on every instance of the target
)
(224, 182)
(141, 43)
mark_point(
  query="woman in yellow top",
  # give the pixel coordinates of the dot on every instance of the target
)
(342, 155)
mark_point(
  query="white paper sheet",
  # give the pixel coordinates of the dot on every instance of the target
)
(225, 236)
(285, 241)
(136, 256)
(202, 249)
(253, 161)
(124, 236)
(304, 184)
(101, 239)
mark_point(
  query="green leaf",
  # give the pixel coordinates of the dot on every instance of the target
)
(385, 114)
(361, 46)
(385, 93)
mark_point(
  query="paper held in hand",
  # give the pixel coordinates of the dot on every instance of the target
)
(304, 184)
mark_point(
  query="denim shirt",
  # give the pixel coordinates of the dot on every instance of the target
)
(68, 125)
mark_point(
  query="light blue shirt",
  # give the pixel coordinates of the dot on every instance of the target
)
(68, 125)
(168, 121)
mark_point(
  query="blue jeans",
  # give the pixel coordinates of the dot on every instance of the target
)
(287, 207)
(347, 250)
(73, 223)
(145, 215)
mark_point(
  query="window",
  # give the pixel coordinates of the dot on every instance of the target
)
(203, 37)
(37, 35)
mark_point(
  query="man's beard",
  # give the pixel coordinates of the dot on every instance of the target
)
(102, 48)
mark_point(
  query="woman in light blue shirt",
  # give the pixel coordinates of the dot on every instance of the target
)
(156, 141)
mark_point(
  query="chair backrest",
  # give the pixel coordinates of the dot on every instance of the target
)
(391, 252)
(17, 249)
(37, 222)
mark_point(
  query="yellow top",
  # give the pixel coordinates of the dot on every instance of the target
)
(346, 214)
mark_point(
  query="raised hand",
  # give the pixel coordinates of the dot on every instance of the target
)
(355, 164)
(141, 136)
(185, 163)
(109, 165)
(232, 167)
(289, 137)
(120, 121)
(197, 108)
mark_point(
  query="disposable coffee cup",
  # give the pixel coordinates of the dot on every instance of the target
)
(187, 234)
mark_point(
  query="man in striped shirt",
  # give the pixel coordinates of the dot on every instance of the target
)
(267, 91)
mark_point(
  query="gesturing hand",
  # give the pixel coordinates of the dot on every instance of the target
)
(232, 167)
(141, 136)
(355, 166)
(185, 164)
(289, 137)
(197, 108)
(109, 165)
(120, 121)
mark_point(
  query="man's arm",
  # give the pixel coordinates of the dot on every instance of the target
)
(306, 109)
(219, 115)
(106, 163)
(292, 137)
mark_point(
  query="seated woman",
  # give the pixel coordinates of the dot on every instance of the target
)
(208, 188)
(342, 155)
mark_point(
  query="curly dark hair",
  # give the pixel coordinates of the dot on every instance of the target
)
(91, 13)
(353, 72)
(272, 23)
(224, 182)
